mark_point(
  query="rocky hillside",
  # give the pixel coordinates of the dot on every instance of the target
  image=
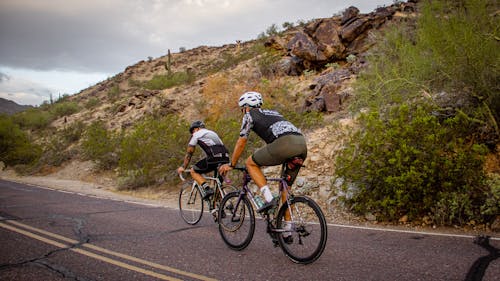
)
(341, 41)
(317, 61)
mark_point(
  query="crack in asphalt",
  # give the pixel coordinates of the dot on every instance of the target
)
(479, 267)
(43, 261)
(79, 225)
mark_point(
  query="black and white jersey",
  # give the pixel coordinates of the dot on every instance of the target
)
(210, 143)
(267, 124)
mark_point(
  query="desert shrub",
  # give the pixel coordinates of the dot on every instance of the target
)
(230, 59)
(409, 163)
(33, 118)
(152, 151)
(55, 151)
(15, 145)
(453, 49)
(413, 153)
(73, 132)
(114, 92)
(56, 144)
(160, 82)
(100, 145)
(267, 62)
(92, 102)
(220, 96)
(64, 108)
(491, 206)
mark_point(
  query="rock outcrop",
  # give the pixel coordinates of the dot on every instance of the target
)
(333, 40)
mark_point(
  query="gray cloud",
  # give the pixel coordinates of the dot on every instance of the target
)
(85, 40)
(107, 36)
(4, 77)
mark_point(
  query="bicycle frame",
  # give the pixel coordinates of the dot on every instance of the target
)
(216, 183)
(192, 196)
(299, 228)
(283, 188)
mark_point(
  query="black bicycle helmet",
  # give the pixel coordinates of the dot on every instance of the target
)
(196, 124)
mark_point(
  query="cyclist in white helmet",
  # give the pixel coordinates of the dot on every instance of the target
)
(283, 142)
(215, 154)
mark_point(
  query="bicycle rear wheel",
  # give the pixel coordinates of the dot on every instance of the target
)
(236, 221)
(308, 230)
(191, 204)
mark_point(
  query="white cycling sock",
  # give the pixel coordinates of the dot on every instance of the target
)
(266, 192)
(287, 226)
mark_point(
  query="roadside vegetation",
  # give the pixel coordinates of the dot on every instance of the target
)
(431, 105)
(28, 143)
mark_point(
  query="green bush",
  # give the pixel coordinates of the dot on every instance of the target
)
(453, 49)
(56, 144)
(491, 207)
(33, 118)
(418, 159)
(92, 102)
(160, 82)
(73, 132)
(230, 60)
(152, 151)
(15, 145)
(101, 145)
(408, 163)
(114, 92)
(64, 108)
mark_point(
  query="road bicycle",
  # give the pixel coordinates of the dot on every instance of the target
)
(191, 203)
(297, 215)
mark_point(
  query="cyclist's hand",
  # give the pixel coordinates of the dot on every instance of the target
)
(224, 169)
(180, 170)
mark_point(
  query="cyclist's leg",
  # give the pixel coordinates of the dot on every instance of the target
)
(255, 172)
(202, 167)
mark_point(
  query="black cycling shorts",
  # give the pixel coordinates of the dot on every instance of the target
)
(203, 166)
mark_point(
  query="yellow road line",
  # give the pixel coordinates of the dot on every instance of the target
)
(103, 250)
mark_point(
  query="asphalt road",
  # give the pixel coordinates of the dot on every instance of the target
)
(53, 235)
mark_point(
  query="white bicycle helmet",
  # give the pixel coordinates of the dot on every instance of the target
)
(252, 99)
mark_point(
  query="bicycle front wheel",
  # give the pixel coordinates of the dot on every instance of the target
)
(236, 221)
(304, 240)
(191, 204)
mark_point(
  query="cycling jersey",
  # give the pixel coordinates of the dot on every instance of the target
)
(211, 144)
(267, 124)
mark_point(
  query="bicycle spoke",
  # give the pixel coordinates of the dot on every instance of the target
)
(190, 204)
(306, 239)
(236, 221)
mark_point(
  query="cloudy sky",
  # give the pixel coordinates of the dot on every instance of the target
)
(63, 46)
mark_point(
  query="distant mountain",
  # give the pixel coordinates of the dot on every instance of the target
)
(9, 107)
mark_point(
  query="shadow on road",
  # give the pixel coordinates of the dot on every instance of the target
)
(478, 268)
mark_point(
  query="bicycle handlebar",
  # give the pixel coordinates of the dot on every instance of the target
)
(182, 177)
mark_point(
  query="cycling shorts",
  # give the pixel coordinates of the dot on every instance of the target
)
(280, 150)
(203, 166)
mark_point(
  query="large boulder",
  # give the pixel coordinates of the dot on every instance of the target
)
(333, 39)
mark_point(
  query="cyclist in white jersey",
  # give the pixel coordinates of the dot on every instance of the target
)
(215, 154)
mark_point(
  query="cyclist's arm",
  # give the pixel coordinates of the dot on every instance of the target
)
(238, 150)
(187, 158)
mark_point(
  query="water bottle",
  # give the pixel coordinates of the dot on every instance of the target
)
(258, 201)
